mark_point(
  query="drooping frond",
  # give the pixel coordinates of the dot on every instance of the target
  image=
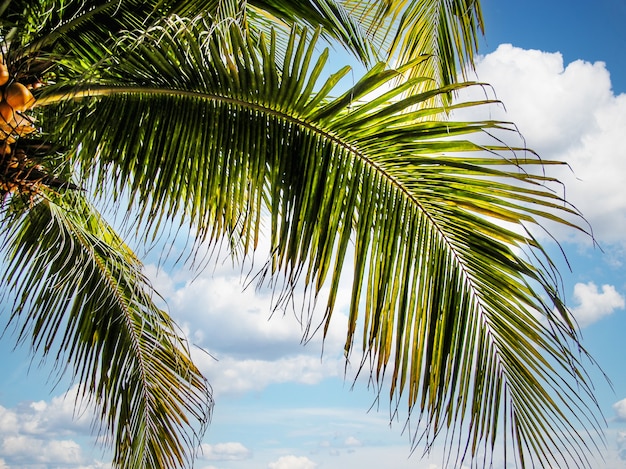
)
(80, 297)
(468, 332)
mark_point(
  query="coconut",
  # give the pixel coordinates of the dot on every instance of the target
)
(7, 113)
(13, 123)
(4, 74)
(18, 97)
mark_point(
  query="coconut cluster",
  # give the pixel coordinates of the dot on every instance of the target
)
(16, 98)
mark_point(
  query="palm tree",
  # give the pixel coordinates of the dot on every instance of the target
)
(208, 114)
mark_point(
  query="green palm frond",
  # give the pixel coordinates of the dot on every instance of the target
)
(470, 333)
(80, 32)
(447, 31)
(54, 37)
(81, 298)
(329, 15)
(77, 34)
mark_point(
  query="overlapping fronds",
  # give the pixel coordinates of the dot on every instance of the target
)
(80, 297)
(397, 32)
(470, 334)
(76, 33)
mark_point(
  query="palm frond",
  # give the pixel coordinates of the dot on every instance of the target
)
(330, 15)
(447, 299)
(446, 31)
(81, 32)
(75, 34)
(81, 298)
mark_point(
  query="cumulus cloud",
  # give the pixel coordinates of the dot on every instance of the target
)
(221, 314)
(292, 462)
(553, 105)
(231, 375)
(594, 304)
(54, 427)
(249, 344)
(352, 441)
(63, 412)
(235, 321)
(60, 416)
(231, 451)
(620, 410)
(569, 113)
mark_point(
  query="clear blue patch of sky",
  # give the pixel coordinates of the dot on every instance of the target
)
(24, 377)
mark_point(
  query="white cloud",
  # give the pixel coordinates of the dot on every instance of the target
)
(248, 346)
(20, 448)
(233, 320)
(231, 451)
(552, 104)
(352, 441)
(8, 420)
(55, 427)
(568, 113)
(60, 415)
(593, 304)
(620, 410)
(67, 451)
(220, 314)
(292, 462)
(232, 375)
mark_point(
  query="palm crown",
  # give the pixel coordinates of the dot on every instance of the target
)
(210, 114)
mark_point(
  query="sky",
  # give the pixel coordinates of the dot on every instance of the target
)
(560, 70)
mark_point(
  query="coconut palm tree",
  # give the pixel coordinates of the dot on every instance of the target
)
(226, 116)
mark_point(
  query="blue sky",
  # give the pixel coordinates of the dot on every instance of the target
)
(560, 69)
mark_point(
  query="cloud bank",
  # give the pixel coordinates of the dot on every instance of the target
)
(57, 430)
(568, 113)
(240, 342)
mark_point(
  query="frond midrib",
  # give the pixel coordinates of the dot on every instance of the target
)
(97, 91)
